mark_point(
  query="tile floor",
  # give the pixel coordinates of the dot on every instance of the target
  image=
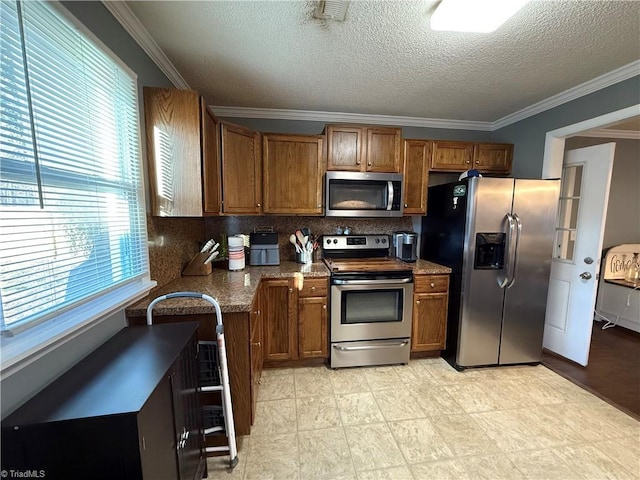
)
(427, 421)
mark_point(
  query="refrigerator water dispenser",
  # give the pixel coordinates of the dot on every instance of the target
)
(489, 251)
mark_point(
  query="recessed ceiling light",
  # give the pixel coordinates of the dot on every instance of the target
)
(482, 16)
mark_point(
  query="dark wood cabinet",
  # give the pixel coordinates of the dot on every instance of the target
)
(430, 300)
(183, 154)
(241, 170)
(256, 349)
(417, 154)
(130, 409)
(292, 172)
(295, 321)
(492, 158)
(363, 148)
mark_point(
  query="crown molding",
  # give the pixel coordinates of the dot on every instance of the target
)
(606, 133)
(341, 117)
(593, 85)
(121, 11)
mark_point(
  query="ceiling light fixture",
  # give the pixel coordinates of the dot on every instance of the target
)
(481, 16)
(331, 10)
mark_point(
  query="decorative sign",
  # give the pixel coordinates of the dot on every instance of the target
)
(618, 260)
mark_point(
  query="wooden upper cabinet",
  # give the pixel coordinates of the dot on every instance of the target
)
(451, 156)
(181, 147)
(292, 170)
(212, 194)
(493, 157)
(363, 149)
(417, 155)
(241, 170)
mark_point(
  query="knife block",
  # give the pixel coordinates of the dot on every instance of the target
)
(196, 266)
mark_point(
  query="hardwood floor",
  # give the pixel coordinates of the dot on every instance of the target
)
(613, 371)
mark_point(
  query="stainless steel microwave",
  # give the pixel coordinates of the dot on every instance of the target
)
(357, 194)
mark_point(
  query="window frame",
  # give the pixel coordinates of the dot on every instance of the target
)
(33, 342)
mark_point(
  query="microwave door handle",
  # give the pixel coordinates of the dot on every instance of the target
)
(389, 194)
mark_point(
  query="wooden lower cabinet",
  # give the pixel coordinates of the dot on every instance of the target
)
(255, 350)
(280, 319)
(430, 301)
(295, 322)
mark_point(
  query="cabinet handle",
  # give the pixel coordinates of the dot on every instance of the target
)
(417, 302)
(358, 162)
(260, 382)
(324, 307)
(313, 289)
(319, 206)
(369, 163)
(290, 290)
(258, 205)
(406, 205)
(467, 161)
(433, 285)
(255, 344)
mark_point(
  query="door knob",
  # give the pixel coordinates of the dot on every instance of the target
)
(585, 275)
(588, 260)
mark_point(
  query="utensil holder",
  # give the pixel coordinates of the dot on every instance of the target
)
(304, 257)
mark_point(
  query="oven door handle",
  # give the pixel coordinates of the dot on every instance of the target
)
(370, 347)
(389, 281)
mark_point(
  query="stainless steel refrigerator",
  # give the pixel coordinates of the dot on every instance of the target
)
(496, 234)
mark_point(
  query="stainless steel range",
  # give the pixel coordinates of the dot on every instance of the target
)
(371, 301)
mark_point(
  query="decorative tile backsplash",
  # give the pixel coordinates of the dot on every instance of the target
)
(285, 226)
(174, 241)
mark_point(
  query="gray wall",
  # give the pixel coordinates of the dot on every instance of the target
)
(528, 135)
(623, 213)
(315, 128)
(22, 385)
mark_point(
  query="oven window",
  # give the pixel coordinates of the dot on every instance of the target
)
(357, 195)
(372, 306)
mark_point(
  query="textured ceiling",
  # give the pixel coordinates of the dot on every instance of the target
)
(384, 59)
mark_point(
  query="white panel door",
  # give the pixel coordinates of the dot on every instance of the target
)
(582, 208)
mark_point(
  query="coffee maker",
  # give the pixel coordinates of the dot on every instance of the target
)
(405, 246)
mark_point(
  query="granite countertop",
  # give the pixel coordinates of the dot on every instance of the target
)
(234, 291)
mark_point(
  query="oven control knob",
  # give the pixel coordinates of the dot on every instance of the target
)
(328, 241)
(384, 240)
(377, 240)
(335, 240)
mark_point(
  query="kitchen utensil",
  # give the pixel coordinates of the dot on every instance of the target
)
(211, 257)
(292, 239)
(300, 237)
(207, 245)
(305, 231)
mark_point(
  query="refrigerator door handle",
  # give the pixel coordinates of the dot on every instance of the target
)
(516, 251)
(507, 281)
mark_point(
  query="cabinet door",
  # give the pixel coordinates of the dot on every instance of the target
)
(241, 170)
(280, 320)
(292, 167)
(312, 323)
(416, 176)
(383, 150)
(451, 156)
(172, 119)
(429, 321)
(187, 413)
(493, 157)
(256, 351)
(212, 195)
(345, 147)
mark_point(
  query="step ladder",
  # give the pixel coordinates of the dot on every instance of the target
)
(216, 359)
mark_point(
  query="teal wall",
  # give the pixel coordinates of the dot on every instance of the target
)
(528, 135)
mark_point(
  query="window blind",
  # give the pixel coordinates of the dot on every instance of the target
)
(72, 219)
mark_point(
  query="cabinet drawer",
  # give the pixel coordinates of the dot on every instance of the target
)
(314, 287)
(431, 283)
